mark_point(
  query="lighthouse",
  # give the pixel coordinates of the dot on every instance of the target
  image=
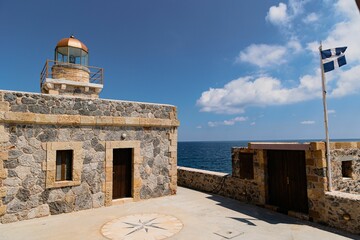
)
(69, 73)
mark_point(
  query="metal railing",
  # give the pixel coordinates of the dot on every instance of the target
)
(96, 75)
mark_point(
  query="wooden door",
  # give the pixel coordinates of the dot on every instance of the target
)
(122, 172)
(287, 180)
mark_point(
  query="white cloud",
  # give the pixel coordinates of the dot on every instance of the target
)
(346, 33)
(297, 7)
(212, 124)
(238, 94)
(331, 111)
(229, 122)
(199, 127)
(294, 45)
(348, 83)
(277, 15)
(308, 122)
(253, 124)
(283, 14)
(264, 55)
(235, 96)
(311, 18)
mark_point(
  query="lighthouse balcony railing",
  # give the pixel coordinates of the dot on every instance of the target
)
(96, 75)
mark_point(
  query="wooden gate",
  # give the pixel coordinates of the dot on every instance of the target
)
(122, 172)
(287, 180)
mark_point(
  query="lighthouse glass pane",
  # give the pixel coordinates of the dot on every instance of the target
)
(62, 50)
(61, 54)
(74, 55)
(59, 57)
(84, 58)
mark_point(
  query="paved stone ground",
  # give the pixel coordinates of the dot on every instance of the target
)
(202, 215)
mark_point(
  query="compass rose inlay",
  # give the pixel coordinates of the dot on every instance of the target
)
(142, 226)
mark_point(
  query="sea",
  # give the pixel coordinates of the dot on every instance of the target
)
(216, 156)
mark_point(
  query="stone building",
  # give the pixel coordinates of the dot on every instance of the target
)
(66, 149)
(291, 178)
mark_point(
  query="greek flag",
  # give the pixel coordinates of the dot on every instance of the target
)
(333, 58)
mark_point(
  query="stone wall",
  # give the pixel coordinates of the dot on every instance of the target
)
(342, 210)
(350, 183)
(54, 104)
(32, 124)
(219, 183)
(336, 209)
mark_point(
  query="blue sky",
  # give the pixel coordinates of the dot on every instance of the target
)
(236, 70)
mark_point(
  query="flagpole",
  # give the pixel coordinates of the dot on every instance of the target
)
(328, 163)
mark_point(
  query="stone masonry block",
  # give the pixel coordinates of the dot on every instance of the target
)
(53, 92)
(317, 146)
(76, 177)
(172, 115)
(312, 178)
(4, 138)
(4, 106)
(320, 162)
(20, 117)
(175, 123)
(310, 161)
(345, 145)
(136, 195)
(69, 119)
(319, 154)
(108, 162)
(50, 178)
(173, 154)
(173, 142)
(315, 193)
(46, 119)
(137, 183)
(4, 155)
(108, 174)
(2, 210)
(44, 166)
(172, 148)
(308, 154)
(119, 121)
(3, 174)
(104, 121)
(2, 192)
(138, 159)
(132, 121)
(43, 210)
(87, 120)
(316, 215)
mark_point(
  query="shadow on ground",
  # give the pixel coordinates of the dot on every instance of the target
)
(256, 213)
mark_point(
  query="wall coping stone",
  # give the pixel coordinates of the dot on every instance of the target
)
(279, 145)
(73, 83)
(72, 97)
(343, 195)
(220, 174)
(79, 120)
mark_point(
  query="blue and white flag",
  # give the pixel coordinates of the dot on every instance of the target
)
(333, 58)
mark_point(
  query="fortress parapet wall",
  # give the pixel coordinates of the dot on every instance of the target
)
(248, 182)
